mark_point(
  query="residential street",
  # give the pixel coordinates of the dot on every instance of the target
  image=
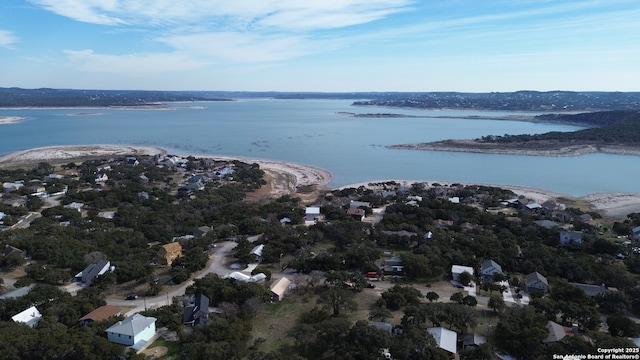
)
(215, 265)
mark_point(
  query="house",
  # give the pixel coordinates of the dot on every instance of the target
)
(195, 185)
(472, 341)
(55, 176)
(134, 331)
(75, 206)
(534, 207)
(392, 266)
(556, 333)
(635, 233)
(169, 252)
(198, 312)
(16, 202)
(489, 269)
(10, 250)
(356, 213)
(92, 271)
(132, 161)
(257, 252)
(312, 214)
(201, 230)
(592, 290)
(384, 326)
(30, 317)
(359, 204)
(445, 339)
(547, 224)
(12, 186)
(100, 314)
(456, 270)
(279, 289)
(535, 281)
(101, 178)
(570, 237)
(143, 195)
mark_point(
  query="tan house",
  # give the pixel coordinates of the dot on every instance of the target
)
(169, 252)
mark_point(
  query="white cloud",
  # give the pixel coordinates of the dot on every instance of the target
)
(245, 14)
(7, 39)
(137, 64)
(240, 47)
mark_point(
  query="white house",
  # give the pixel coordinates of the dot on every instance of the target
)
(445, 338)
(30, 317)
(134, 331)
(312, 213)
(101, 178)
(75, 206)
(456, 270)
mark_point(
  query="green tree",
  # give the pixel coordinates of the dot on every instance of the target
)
(470, 301)
(432, 296)
(496, 302)
(465, 278)
(622, 326)
(338, 301)
(521, 332)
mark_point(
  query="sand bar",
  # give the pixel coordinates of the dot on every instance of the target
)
(609, 204)
(10, 119)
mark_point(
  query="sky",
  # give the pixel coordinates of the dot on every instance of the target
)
(321, 45)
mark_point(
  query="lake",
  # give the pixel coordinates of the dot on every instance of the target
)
(312, 132)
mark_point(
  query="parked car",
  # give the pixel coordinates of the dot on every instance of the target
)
(132, 297)
(371, 286)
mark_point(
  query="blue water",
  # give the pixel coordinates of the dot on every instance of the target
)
(311, 132)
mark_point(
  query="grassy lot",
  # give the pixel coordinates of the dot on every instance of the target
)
(275, 319)
(174, 348)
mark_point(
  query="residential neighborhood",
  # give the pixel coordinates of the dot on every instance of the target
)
(168, 250)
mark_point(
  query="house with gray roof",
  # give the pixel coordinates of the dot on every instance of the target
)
(570, 237)
(134, 331)
(445, 339)
(592, 290)
(92, 271)
(556, 333)
(196, 313)
(535, 281)
(489, 269)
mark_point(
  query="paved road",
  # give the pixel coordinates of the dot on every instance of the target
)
(215, 265)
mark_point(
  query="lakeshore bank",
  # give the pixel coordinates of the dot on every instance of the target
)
(612, 205)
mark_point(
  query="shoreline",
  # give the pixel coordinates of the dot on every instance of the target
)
(470, 147)
(612, 205)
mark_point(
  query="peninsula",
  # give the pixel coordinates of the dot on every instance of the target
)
(616, 132)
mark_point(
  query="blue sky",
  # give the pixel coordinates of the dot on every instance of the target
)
(321, 45)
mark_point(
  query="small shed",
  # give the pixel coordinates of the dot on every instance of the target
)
(279, 289)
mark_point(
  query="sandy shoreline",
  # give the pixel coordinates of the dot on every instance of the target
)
(615, 205)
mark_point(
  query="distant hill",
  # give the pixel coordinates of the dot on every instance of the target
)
(16, 97)
(551, 101)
